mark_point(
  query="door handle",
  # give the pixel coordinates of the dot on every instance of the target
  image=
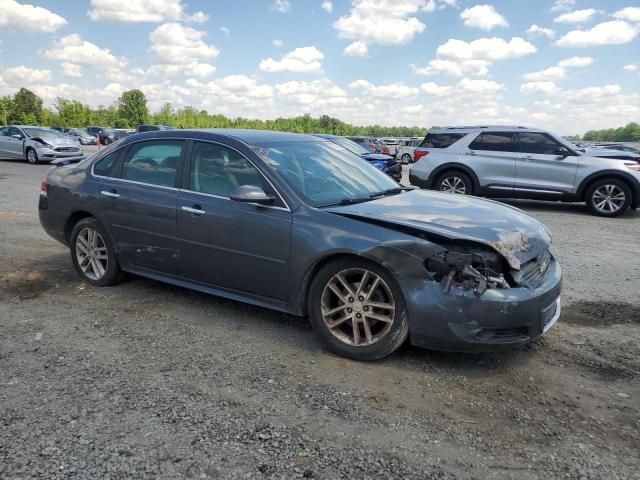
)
(528, 157)
(106, 193)
(195, 211)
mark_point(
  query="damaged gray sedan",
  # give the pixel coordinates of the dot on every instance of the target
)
(299, 224)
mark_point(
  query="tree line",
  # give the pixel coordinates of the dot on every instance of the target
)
(130, 110)
(628, 133)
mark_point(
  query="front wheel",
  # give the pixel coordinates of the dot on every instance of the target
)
(454, 182)
(358, 309)
(609, 197)
(405, 158)
(32, 156)
(92, 254)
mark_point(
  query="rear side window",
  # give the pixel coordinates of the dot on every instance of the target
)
(538, 143)
(154, 162)
(441, 140)
(495, 142)
(105, 166)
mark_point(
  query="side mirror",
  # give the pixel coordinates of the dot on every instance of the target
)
(17, 135)
(562, 152)
(251, 194)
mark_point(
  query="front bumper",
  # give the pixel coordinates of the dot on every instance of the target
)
(457, 320)
(49, 154)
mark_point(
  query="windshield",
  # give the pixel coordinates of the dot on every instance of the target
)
(350, 145)
(39, 132)
(323, 172)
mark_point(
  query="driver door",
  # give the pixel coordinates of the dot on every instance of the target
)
(13, 146)
(227, 244)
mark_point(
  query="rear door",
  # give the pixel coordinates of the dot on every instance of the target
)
(493, 156)
(238, 246)
(14, 147)
(541, 169)
(139, 195)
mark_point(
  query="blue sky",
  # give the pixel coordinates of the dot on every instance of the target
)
(564, 65)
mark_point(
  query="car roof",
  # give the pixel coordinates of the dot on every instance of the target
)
(259, 136)
(486, 128)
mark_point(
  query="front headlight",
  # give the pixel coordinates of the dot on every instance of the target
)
(44, 144)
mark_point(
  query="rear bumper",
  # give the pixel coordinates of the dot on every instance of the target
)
(501, 318)
(417, 181)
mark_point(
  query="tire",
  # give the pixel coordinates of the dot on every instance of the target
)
(405, 158)
(374, 339)
(454, 181)
(608, 197)
(32, 156)
(102, 252)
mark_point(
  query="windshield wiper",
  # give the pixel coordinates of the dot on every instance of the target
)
(390, 191)
(345, 201)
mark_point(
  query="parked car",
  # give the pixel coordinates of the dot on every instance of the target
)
(105, 134)
(618, 146)
(153, 128)
(36, 144)
(604, 152)
(381, 147)
(299, 224)
(392, 144)
(406, 149)
(366, 142)
(80, 135)
(119, 133)
(520, 162)
(386, 163)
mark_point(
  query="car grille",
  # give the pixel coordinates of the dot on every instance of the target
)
(67, 149)
(532, 272)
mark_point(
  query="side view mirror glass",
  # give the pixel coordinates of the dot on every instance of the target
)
(251, 194)
(561, 151)
(17, 135)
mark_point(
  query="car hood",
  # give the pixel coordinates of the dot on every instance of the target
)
(609, 152)
(507, 230)
(55, 140)
(377, 157)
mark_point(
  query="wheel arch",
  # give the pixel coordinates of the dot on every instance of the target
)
(453, 166)
(631, 182)
(71, 222)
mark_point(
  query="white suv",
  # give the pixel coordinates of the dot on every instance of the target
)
(405, 150)
(520, 162)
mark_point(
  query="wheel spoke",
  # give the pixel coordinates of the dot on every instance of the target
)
(363, 283)
(374, 285)
(384, 306)
(334, 288)
(380, 318)
(345, 284)
(356, 331)
(333, 311)
(339, 322)
(367, 330)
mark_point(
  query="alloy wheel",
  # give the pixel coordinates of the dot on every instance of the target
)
(453, 185)
(32, 157)
(357, 307)
(91, 252)
(608, 199)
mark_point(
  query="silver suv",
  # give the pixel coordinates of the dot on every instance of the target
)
(520, 162)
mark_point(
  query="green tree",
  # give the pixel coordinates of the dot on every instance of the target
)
(132, 107)
(27, 107)
(6, 104)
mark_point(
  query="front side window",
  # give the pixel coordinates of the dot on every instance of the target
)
(441, 140)
(323, 172)
(350, 145)
(538, 143)
(4, 131)
(495, 142)
(154, 162)
(14, 131)
(219, 170)
(105, 166)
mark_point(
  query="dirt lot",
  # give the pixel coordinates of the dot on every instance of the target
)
(148, 380)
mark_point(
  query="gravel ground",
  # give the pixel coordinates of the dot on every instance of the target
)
(145, 380)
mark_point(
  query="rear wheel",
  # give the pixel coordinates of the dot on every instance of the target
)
(609, 197)
(405, 158)
(358, 309)
(454, 182)
(92, 254)
(32, 156)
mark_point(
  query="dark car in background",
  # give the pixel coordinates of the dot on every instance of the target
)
(299, 224)
(119, 133)
(367, 143)
(386, 163)
(153, 128)
(106, 135)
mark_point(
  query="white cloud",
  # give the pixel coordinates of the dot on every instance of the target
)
(535, 30)
(562, 5)
(71, 70)
(433, 5)
(181, 50)
(385, 22)
(226, 31)
(277, 42)
(630, 14)
(559, 71)
(356, 49)
(320, 93)
(480, 86)
(300, 60)
(632, 67)
(577, 16)
(539, 87)
(454, 68)
(282, 6)
(74, 50)
(431, 88)
(490, 49)
(484, 17)
(133, 11)
(327, 6)
(615, 32)
(18, 17)
(23, 76)
(394, 90)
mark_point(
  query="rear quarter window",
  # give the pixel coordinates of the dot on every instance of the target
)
(441, 140)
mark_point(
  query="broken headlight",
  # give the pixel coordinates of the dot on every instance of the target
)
(472, 269)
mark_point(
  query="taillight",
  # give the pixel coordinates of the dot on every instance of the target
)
(44, 186)
(418, 154)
